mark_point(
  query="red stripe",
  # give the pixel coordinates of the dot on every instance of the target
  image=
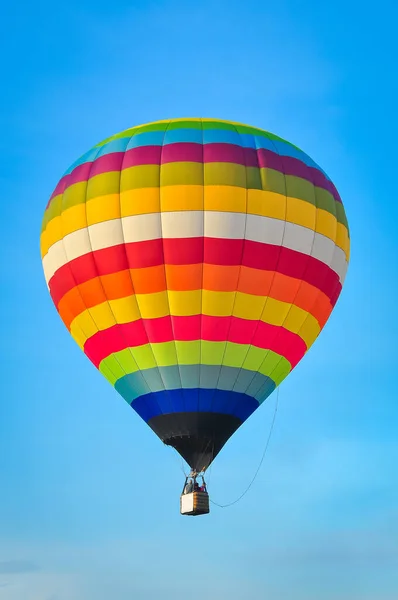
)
(186, 251)
(213, 329)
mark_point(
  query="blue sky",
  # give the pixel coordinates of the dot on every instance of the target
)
(89, 496)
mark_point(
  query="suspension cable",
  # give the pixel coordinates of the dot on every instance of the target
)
(261, 460)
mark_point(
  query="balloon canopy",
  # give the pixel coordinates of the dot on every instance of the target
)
(195, 262)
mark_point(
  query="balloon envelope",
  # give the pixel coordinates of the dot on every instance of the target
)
(195, 262)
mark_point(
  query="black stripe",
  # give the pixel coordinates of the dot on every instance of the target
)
(197, 436)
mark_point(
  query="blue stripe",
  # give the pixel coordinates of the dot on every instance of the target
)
(221, 136)
(119, 145)
(177, 136)
(174, 377)
(286, 149)
(207, 136)
(87, 157)
(148, 138)
(195, 400)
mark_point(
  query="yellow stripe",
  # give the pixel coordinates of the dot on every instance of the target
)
(179, 198)
(74, 218)
(153, 306)
(140, 201)
(301, 212)
(225, 198)
(97, 210)
(52, 234)
(303, 324)
(185, 303)
(342, 239)
(267, 204)
(217, 304)
(103, 316)
(326, 224)
(106, 209)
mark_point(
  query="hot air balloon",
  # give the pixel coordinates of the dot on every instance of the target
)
(195, 262)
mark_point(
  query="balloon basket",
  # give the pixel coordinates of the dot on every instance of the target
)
(194, 504)
(194, 499)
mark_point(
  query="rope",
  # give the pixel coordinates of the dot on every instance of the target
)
(261, 461)
(178, 459)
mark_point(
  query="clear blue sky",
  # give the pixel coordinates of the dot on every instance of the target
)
(88, 495)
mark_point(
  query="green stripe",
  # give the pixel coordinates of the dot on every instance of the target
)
(176, 124)
(54, 210)
(145, 176)
(341, 216)
(127, 133)
(184, 124)
(229, 354)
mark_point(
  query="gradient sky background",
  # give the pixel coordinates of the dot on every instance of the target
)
(89, 497)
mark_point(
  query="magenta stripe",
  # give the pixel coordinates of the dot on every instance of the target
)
(107, 163)
(192, 152)
(228, 153)
(80, 173)
(144, 155)
(182, 152)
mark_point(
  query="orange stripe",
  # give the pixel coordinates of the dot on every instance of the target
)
(116, 285)
(93, 292)
(70, 306)
(183, 278)
(148, 280)
(321, 309)
(221, 278)
(254, 281)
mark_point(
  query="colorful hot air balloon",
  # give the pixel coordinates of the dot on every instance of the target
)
(195, 262)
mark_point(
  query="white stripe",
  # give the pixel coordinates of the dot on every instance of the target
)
(225, 225)
(78, 244)
(339, 263)
(105, 234)
(298, 238)
(323, 249)
(137, 228)
(54, 259)
(140, 228)
(184, 224)
(265, 229)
